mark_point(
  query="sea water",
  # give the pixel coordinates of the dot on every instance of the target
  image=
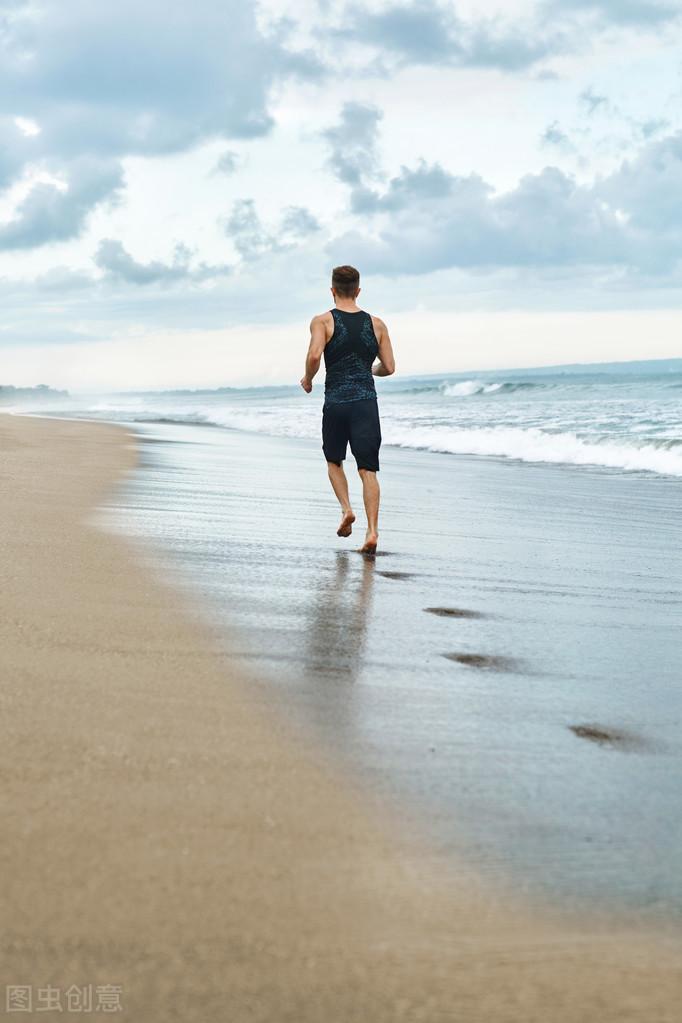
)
(623, 417)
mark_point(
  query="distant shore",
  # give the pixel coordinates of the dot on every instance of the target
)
(166, 832)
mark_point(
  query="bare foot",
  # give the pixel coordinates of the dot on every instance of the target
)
(370, 544)
(346, 527)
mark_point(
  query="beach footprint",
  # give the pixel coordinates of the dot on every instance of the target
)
(398, 575)
(454, 612)
(486, 662)
(610, 738)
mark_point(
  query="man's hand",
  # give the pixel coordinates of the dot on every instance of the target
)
(306, 384)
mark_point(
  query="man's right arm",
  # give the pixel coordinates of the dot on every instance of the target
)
(318, 340)
(386, 364)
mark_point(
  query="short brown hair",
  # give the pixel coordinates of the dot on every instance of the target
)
(346, 281)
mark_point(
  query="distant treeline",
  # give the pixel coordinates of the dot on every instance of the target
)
(10, 393)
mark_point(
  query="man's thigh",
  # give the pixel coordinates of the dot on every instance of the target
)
(365, 433)
(334, 432)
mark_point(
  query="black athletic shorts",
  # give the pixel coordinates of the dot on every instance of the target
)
(356, 422)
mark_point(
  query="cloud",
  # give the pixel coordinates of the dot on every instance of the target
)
(49, 213)
(409, 187)
(67, 302)
(648, 187)
(592, 101)
(252, 239)
(298, 222)
(16, 148)
(243, 226)
(650, 127)
(226, 163)
(105, 81)
(426, 219)
(353, 143)
(554, 135)
(112, 257)
(641, 13)
(166, 79)
(431, 33)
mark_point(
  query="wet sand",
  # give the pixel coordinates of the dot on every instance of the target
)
(166, 831)
(562, 587)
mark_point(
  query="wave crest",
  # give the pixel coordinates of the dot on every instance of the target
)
(468, 388)
(534, 445)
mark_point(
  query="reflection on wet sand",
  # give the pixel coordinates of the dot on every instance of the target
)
(337, 630)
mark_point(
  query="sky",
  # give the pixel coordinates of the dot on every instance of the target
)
(178, 180)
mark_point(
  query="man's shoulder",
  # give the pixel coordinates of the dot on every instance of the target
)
(377, 322)
(322, 317)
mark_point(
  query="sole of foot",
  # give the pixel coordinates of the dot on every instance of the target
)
(346, 527)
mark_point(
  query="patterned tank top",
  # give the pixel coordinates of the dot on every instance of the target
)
(348, 358)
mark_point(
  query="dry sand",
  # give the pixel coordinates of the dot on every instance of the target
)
(165, 831)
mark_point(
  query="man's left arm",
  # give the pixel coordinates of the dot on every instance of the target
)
(318, 339)
(385, 367)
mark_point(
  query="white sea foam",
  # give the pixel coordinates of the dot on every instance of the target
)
(632, 453)
(468, 388)
(463, 389)
(534, 445)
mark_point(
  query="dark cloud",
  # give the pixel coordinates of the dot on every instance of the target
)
(243, 226)
(105, 81)
(353, 143)
(112, 257)
(431, 33)
(298, 222)
(428, 219)
(648, 188)
(252, 239)
(51, 214)
(426, 182)
(166, 79)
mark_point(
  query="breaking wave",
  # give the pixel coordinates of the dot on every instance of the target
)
(468, 388)
(631, 453)
(534, 445)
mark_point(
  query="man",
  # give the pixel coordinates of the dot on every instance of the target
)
(356, 348)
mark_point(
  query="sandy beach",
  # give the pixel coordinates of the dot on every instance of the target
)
(166, 830)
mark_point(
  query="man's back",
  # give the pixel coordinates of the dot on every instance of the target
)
(348, 357)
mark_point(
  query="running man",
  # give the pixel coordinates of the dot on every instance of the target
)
(351, 341)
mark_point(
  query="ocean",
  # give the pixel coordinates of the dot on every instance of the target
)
(623, 417)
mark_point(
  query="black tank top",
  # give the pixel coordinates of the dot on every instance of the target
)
(348, 358)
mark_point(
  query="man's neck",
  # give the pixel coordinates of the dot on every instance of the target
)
(347, 305)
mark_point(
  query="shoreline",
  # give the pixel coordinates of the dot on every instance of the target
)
(182, 841)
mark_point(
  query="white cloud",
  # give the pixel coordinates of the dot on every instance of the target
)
(27, 126)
